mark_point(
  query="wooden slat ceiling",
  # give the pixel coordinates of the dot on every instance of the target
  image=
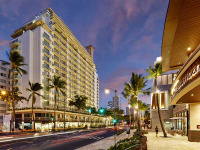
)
(182, 30)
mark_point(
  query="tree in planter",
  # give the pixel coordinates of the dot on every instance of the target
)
(137, 85)
(16, 61)
(127, 93)
(34, 88)
(59, 85)
(79, 102)
(155, 73)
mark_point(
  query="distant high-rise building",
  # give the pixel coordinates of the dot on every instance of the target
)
(4, 85)
(116, 102)
(131, 112)
(110, 105)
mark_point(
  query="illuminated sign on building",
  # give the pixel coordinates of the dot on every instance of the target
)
(190, 75)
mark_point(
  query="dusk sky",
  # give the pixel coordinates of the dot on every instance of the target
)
(126, 34)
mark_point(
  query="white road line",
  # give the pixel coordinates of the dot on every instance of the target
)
(35, 137)
(6, 137)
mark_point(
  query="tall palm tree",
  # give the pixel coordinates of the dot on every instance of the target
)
(137, 85)
(154, 73)
(34, 88)
(126, 93)
(16, 61)
(59, 85)
(79, 102)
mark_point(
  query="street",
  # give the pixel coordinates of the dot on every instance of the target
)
(59, 141)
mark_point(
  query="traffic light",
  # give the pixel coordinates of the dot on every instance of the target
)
(89, 110)
(101, 110)
(115, 121)
(51, 118)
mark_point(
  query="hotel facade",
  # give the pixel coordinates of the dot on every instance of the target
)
(49, 49)
(180, 50)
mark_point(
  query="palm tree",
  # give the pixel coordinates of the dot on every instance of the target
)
(34, 88)
(79, 102)
(16, 61)
(126, 93)
(59, 85)
(137, 85)
(143, 107)
(155, 73)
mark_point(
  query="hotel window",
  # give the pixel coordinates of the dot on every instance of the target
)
(45, 65)
(46, 51)
(162, 100)
(56, 71)
(56, 57)
(154, 101)
(3, 81)
(56, 64)
(46, 36)
(55, 50)
(2, 68)
(3, 74)
(55, 43)
(46, 58)
(46, 43)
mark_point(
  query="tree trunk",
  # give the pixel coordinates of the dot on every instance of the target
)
(54, 120)
(138, 121)
(13, 101)
(129, 112)
(158, 107)
(33, 121)
(64, 114)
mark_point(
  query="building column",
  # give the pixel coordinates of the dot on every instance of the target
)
(194, 130)
(22, 121)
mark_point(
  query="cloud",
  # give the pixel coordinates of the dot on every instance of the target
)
(3, 42)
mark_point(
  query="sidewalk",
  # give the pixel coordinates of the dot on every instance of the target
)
(177, 142)
(105, 143)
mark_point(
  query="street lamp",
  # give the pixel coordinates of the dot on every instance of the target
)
(107, 91)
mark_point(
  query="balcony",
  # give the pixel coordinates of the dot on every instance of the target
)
(14, 43)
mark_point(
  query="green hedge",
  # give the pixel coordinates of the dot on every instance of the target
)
(127, 143)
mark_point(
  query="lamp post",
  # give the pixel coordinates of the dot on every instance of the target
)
(107, 91)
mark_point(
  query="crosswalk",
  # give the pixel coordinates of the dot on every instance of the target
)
(94, 137)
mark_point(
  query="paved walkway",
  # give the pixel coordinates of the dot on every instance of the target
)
(105, 143)
(170, 143)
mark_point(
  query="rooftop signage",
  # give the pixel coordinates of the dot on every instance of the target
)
(188, 76)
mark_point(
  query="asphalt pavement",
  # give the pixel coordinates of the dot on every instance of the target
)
(62, 141)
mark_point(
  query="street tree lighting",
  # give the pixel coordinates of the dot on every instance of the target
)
(3, 92)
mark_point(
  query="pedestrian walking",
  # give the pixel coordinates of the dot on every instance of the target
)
(156, 129)
(127, 131)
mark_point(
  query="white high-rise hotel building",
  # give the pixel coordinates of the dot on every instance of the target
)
(49, 49)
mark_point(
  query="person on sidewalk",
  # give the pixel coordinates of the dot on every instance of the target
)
(127, 131)
(156, 129)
